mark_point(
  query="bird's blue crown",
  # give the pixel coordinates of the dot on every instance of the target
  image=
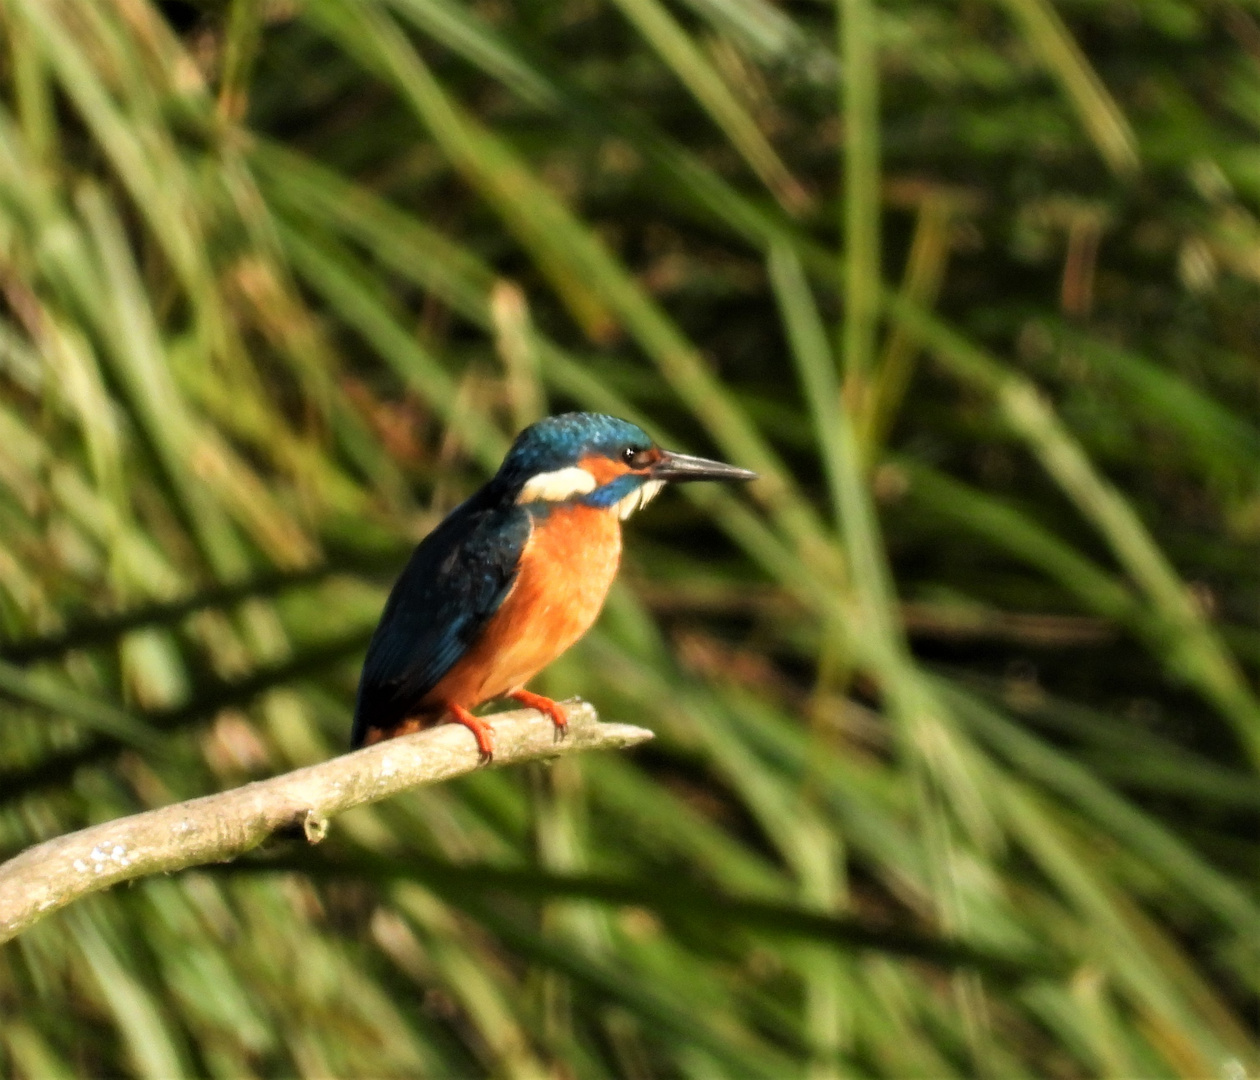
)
(559, 441)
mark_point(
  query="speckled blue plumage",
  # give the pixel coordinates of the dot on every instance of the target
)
(459, 575)
(559, 441)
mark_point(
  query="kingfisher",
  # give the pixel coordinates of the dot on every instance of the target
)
(513, 576)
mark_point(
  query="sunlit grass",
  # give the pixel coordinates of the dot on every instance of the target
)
(280, 282)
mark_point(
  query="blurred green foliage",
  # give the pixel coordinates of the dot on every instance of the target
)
(958, 741)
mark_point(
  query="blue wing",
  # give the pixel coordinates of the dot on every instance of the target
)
(452, 584)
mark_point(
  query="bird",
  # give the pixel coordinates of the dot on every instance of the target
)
(513, 576)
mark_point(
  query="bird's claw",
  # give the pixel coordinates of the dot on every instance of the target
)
(481, 729)
(547, 707)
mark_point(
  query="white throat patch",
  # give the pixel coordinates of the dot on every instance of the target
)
(638, 498)
(557, 486)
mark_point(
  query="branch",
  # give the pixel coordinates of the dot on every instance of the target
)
(218, 828)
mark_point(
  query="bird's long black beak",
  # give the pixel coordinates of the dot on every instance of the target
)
(680, 468)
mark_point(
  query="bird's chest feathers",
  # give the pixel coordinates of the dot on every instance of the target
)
(565, 573)
(570, 562)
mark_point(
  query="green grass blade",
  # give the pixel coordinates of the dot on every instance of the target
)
(1108, 127)
(859, 106)
(689, 64)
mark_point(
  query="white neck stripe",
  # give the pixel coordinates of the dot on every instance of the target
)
(638, 498)
(557, 486)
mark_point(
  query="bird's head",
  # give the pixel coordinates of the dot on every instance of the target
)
(599, 461)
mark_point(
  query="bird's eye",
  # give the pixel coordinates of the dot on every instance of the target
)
(636, 459)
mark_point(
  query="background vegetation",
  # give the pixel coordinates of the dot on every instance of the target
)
(973, 286)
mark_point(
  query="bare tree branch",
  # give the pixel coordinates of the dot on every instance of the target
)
(218, 828)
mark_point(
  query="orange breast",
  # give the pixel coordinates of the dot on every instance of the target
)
(566, 570)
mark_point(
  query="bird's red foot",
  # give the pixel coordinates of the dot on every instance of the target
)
(481, 729)
(545, 706)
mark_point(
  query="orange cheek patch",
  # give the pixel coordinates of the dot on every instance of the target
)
(603, 469)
